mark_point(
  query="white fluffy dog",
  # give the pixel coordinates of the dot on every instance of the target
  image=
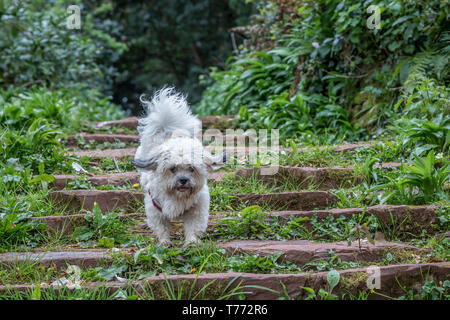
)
(173, 166)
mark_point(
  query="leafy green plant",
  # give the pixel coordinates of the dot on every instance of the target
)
(101, 227)
(317, 75)
(334, 262)
(253, 223)
(430, 290)
(16, 230)
(420, 183)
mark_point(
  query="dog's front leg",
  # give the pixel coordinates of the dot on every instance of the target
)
(160, 226)
(195, 222)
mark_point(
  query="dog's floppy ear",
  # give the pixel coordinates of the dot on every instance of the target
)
(147, 164)
(215, 162)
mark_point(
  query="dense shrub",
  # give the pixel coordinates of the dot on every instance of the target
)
(36, 47)
(325, 72)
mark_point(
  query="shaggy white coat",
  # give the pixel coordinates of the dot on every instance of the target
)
(168, 155)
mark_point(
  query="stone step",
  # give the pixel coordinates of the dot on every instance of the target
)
(238, 151)
(302, 177)
(66, 224)
(414, 218)
(104, 154)
(101, 138)
(346, 147)
(59, 259)
(72, 141)
(108, 200)
(407, 219)
(129, 123)
(301, 252)
(219, 122)
(116, 179)
(307, 200)
(393, 279)
(242, 153)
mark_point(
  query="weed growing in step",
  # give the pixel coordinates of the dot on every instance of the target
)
(83, 183)
(334, 262)
(420, 183)
(153, 260)
(82, 144)
(333, 278)
(63, 293)
(341, 228)
(316, 158)
(209, 291)
(430, 290)
(254, 223)
(20, 272)
(108, 229)
(114, 165)
(16, 230)
(439, 247)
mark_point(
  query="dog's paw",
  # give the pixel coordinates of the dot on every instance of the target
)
(165, 243)
(192, 241)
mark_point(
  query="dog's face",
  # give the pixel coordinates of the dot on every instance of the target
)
(182, 179)
(182, 166)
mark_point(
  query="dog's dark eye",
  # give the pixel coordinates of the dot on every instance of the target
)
(173, 169)
(191, 169)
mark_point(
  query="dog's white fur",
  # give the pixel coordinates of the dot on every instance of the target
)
(168, 155)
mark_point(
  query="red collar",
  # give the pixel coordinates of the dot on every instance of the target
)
(156, 204)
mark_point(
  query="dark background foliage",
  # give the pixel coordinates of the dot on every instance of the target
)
(169, 42)
(124, 48)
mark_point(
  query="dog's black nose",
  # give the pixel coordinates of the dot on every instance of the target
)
(183, 180)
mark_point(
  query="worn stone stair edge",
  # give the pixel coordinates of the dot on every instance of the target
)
(100, 138)
(326, 178)
(299, 252)
(115, 179)
(426, 216)
(66, 224)
(109, 200)
(423, 215)
(130, 152)
(351, 281)
(322, 178)
(72, 141)
(132, 122)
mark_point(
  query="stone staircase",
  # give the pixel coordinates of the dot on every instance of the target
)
(406, 267)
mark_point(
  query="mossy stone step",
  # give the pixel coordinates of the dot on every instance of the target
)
(219, 122)
(107, 200)
(101, 138)
(115, 179)
(406, 218)
(393, 280)
(129, 200)
(241, 152)
(427, 217)
(301, 252)
(302, 177)
(307, 200)
(59, 259)
(105, 154)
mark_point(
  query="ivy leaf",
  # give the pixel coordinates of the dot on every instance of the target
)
(333, 278)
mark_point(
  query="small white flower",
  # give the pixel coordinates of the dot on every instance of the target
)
(315, 45)
(440, 156)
